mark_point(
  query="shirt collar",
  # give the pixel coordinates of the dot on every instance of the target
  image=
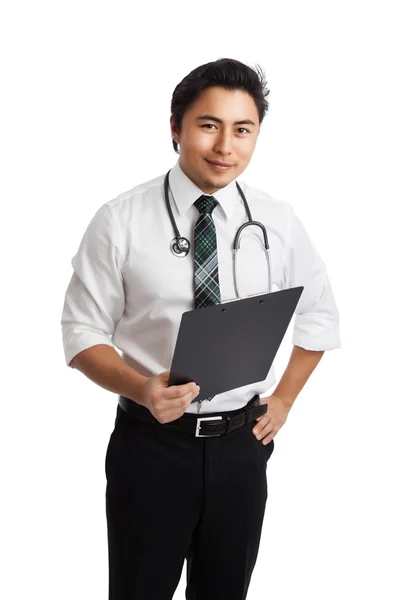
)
(185, 192)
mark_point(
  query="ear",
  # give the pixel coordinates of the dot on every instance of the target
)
(174, 132)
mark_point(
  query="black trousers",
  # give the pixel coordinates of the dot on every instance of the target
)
(171, 496)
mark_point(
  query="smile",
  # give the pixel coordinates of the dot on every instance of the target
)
(218, 167)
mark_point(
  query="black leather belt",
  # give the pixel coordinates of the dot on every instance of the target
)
(212, 425)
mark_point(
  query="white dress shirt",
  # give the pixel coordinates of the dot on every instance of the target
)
(129, 291)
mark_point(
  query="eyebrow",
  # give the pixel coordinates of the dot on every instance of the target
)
(212, 118)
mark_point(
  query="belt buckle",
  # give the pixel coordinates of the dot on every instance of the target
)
(198, 423)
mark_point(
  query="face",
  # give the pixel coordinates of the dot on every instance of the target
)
(221, 126)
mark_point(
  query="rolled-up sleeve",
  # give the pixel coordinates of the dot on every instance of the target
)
(316, 322)
(94, 300)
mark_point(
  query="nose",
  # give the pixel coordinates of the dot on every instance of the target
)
(223, 144)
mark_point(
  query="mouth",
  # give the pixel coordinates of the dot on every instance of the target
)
(219, 166)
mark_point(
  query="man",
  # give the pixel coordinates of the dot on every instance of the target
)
(172, 495)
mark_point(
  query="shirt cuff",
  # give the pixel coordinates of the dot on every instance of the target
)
(78, 341)
(312, 332)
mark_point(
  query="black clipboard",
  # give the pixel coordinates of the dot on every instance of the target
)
(232, 344)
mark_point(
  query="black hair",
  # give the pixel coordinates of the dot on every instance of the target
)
(227, 73)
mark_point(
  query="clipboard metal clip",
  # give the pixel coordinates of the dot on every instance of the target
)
(242, 297)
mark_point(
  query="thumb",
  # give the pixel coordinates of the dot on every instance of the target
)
(165, 377)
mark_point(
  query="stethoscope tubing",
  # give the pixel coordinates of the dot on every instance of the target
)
(180, 246)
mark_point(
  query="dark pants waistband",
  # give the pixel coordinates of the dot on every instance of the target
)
(211, 424)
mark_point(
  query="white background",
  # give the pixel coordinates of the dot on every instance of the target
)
(85, 116)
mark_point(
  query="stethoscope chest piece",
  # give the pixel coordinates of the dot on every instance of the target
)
(180, 247)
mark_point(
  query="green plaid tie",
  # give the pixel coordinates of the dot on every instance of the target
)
(206, 280)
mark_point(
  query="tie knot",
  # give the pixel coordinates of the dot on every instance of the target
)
(206, 204)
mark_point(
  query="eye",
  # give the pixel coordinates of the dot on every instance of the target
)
(240, 128)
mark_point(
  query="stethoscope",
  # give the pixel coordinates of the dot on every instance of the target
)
(180, 246)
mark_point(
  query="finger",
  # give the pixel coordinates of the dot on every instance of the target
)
(267, 438)
(264, 434)
(261, 435)
(180, 392)
(176, 406)
(261, 424)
